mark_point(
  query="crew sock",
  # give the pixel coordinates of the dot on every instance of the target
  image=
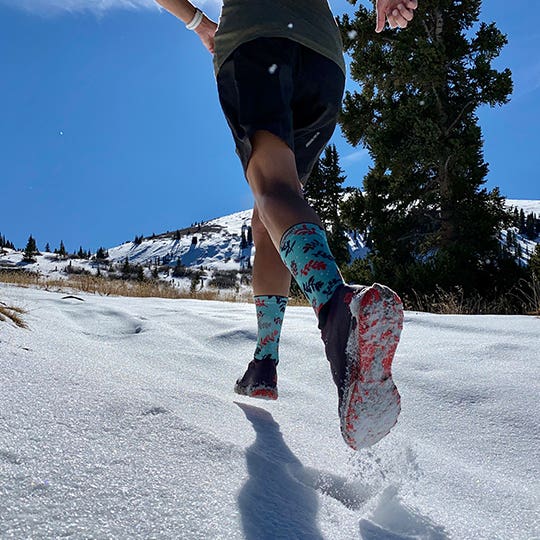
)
(304, 250)
(270, 313)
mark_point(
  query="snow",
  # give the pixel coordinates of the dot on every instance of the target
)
(218, 245)
(117, 420)
(528, 206)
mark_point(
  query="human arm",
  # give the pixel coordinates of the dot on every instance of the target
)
(185, 11)
(398, 12)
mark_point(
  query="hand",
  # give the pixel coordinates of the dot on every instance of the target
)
(398, 12)
(206, 31)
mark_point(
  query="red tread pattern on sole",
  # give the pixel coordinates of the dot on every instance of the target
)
(264, 393)
(372, 403)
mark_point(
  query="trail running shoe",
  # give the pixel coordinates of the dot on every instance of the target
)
(361, 334)
(259, 380)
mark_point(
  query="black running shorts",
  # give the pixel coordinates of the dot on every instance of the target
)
(281, 86)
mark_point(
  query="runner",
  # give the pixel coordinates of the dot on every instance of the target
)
(280, 77)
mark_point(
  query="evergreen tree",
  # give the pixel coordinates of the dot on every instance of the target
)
(102, 254)
(30, 251)
(4, 243)
(324, 191)
(47, 248)
(62, 250)
(432, 221)
(521, 221)
(126, 267)
(534, 262)
(243, 239)
(179, 268)
(530, 226)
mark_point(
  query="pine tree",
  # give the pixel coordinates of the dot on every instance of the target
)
(30, 251)
(521, 221)
(432, 221)
(62, 250)
(324, 191)
(534, 262)
(530, 226)
(4, 243)
(243, 239)
(101, 254)
(47, 248)
(126, 268)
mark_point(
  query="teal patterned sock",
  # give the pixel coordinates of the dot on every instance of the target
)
(305, 251)
(270, 313)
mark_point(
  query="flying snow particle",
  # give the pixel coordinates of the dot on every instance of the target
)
(422, 103)
(61, 133)
(272, 69)
(352, 34)
(290, 26)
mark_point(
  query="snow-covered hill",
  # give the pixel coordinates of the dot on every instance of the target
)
(527, 206)
(217, 245)
(117, 420)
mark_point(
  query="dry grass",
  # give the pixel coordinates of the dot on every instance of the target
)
(524, 298)
(117, 287)
(528, 292)
(132, 288)
(13, 314)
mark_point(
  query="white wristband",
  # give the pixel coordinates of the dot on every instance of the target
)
(197, 19)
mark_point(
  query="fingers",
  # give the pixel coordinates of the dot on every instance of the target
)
(381, 17)
(398, 16)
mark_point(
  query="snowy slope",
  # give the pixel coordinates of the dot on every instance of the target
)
(117, 420)
(218, 245)
(527, 205)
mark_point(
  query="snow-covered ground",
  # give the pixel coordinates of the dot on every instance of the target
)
(117, 420)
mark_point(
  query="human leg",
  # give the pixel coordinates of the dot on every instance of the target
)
(270, 275)
(270, 116)
(292, 224)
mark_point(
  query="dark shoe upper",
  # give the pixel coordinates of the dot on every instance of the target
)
(335, 332)
(259, 374)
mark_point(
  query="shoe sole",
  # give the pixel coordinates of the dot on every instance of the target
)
(371, 402)
(259, 392)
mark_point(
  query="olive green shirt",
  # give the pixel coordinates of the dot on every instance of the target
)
(309, 22)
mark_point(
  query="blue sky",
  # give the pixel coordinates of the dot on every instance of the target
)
(111, 125)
